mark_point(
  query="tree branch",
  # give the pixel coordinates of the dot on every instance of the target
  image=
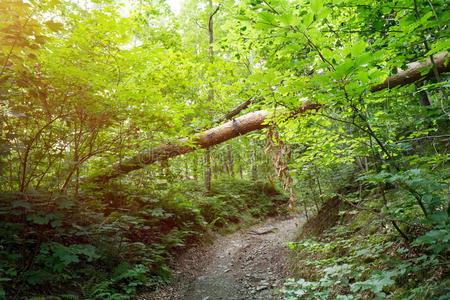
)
(413, 73)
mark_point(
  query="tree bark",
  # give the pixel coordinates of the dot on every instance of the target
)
(208, 171)
(237, 127)
(423, 96)
(413, 73)
(230, 160)
(254, 170)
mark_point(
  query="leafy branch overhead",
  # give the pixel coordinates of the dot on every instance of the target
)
(253, 121)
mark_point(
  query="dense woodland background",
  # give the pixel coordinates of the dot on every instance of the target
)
(85, 85)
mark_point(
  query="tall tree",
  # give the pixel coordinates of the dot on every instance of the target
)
(211, 90)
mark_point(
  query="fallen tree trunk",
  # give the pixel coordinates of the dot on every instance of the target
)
(413, 73)
(250, 122)
(239, 126)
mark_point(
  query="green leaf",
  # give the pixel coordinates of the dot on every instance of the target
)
(54, 26)
(157, 212)
(38, 277)
(434, 236)
(287, 19)
(40, 218)
(375, 283)
(358, 48)
(64, 202)
(21, 203)
(316, 6)
(242, 18)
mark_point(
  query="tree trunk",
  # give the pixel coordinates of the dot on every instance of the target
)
(208, 171)
(210, 94)
(305, 207)
(318, 184)
(240, 126)
(413, 73)
(186, 169)
(194, 169)
(423, 95)
(230, 161)
(254, 166)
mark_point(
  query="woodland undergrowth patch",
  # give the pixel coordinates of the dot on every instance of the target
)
(117, 243)
(359, 256)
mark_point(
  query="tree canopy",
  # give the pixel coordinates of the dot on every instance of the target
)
(339, 99)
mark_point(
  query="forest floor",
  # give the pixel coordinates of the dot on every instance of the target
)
(248, 264)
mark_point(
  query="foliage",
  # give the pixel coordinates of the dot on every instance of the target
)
(76, 245)
(361, 258)
(86, 85)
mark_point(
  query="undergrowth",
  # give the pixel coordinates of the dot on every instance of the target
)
(349, 252)
(114, 244)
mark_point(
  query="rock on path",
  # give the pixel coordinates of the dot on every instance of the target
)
(248, 264)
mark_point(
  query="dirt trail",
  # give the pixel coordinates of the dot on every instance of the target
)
(248, 264)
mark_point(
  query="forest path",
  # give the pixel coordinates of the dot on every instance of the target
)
(248, 264)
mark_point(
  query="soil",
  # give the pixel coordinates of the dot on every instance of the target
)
(248, 264)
